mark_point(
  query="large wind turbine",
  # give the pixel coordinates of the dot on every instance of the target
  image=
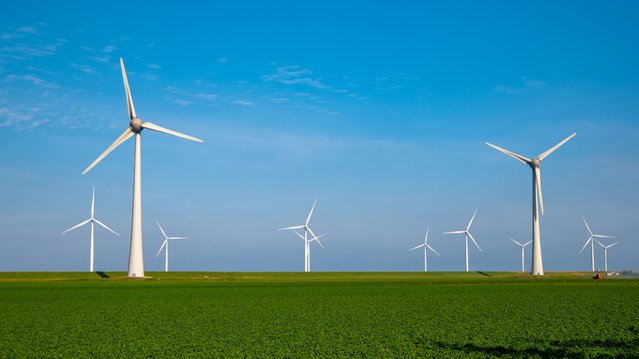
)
(91, 220)
(136, 125)
(307, 241)
(591, 240)
(538, 201)
(466, 233)
(522, 251)
(606, 253)
(166, 244)
(426, 247)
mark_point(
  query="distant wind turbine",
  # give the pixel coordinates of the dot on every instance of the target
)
(538, 200)
(165, 245)
(605, 248)
(91, 220)
(466, 233)
(591, 240)
(136, 125)
(522, 251)
(426, 247)
(307, 241)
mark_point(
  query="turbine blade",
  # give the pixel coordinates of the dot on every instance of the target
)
(585, 244)
(521, 245)
(123, 137)
(426, 236)
(177, 238)
(602, 236)
(519, 158)
(587, 226)
(471, 221)
(163, 244)
(454, 232)
(311, 231)
(157, 128)
(539, 193)
(419, 246)
(473, 239)
(93, 202)
(308, 219)
(599, 243)
(545, 154)
(527, 243)
(105, 227)
(614, 244)
(299, 235)
(289, 228)
(161, 230)
(129, 99)
(76, 226)
(431, 248)
(317, 239)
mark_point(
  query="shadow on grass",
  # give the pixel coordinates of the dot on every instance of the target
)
(553, 349)
(102, 275)
(484, 274)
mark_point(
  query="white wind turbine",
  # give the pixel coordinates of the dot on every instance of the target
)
(591, 240)
(538, 201)
(522, 251)
(165, 245)
(91, 220)
(307, 241)
(466, 233)
(606, 253)
(136, 125)
(426, 247)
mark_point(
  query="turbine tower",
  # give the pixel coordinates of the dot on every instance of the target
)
(522, 251)
(426, 247)
(91, 220)
(136, 125)
(466, 233)
(307, 241)
(538, 201)
(166, 244)
(606, 253)
(591, 240)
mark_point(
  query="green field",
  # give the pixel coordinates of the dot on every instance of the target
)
(301, 315)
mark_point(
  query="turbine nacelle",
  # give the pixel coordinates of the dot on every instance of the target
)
(535, 163)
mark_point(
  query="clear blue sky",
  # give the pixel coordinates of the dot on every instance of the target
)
(379, 110)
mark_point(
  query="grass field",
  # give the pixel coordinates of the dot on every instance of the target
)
(318, 315)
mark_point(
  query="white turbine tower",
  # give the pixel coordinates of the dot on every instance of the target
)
(591, 240)
(426, 247)
(522, 251)
(307, 241)
(538, 201)
(136, 125)
(466, 233)
(91, 220)
(165, 245)
(606, 253)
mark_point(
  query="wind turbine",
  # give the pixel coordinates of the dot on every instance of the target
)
(166, 244)
(522, 251)
(466, 233)
(606, 253)
(592, 243)
(307, 230)
(136, 125)
(538, 201)
(91, 220)
(426, 248)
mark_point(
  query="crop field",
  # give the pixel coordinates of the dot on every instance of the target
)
(301, 315)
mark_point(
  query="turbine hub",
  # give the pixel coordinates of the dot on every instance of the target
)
(136, 125)
(535, 163)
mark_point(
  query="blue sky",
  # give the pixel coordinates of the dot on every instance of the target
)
(379, 110)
